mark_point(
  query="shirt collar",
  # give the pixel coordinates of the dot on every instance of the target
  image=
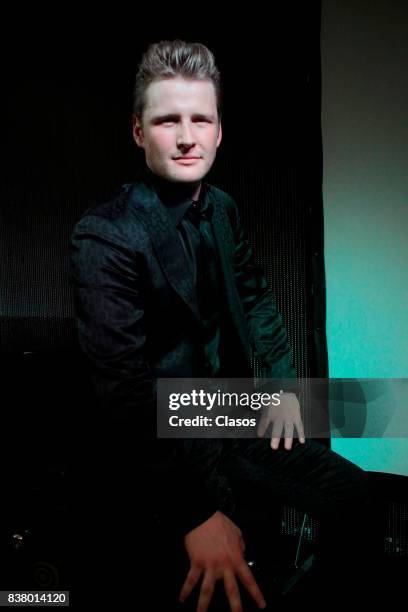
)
(174, 198)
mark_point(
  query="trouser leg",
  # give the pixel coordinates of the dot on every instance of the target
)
(321, 483)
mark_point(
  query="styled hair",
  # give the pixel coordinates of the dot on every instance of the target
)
(171, 58)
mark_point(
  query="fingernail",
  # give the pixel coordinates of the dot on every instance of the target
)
(262, 603)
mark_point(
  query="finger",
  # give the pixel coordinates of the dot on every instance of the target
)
(246, 577)
(276, 433)
(242, 543)
(232, 592)
(288, 435)
(193, 577)
(263, 424)
(300, 430)
(206, 592)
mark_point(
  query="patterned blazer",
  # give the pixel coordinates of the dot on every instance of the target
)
(138, 320)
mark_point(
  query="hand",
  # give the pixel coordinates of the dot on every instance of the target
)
(283, 417)
(215, 549)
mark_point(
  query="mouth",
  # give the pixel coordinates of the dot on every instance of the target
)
(186, 159)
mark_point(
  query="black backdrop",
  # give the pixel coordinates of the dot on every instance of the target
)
(66, 142)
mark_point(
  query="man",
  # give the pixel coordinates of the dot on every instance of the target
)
(151, 305)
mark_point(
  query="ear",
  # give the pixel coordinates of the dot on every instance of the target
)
(137, 131)
(219, 137)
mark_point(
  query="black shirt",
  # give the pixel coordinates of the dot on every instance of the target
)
(192, 219)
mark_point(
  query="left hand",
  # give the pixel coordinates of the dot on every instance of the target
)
(216, 552)
(283, 417)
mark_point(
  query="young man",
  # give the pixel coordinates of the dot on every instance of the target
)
(150, 304)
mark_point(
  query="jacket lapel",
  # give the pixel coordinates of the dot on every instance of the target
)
(173, 260)
(166, 243)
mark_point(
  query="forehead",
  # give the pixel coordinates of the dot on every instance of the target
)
(180, 95)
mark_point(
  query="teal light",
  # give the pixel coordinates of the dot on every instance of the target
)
(365, 192)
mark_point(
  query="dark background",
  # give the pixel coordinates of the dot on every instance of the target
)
(67, 82)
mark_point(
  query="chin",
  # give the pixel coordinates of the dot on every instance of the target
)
(186, 177)
(190, 178)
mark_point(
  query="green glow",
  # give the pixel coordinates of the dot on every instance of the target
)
(365, 191)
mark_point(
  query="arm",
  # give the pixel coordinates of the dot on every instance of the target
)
(216, 547)
(108, 296)
(269, 338)
(266, 330)
(110, 284)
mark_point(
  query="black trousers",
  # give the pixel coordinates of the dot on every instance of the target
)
(136, 557)
(345, 499)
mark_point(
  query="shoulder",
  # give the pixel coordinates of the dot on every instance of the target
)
(111, 211)
(218, 195)
(113, 219)
(225, 202)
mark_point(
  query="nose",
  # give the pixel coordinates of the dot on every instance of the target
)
(184, 135)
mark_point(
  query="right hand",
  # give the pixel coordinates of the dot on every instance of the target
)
(216, 550)
(284, 418)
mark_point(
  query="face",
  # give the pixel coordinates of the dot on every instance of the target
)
(180, 131)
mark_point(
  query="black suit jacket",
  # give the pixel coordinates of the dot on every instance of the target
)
(138, 320)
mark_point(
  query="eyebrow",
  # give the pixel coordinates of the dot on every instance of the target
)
(176, 116)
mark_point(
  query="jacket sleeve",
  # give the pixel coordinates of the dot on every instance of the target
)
(110, 281)
(108, 299)
(267, 333)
